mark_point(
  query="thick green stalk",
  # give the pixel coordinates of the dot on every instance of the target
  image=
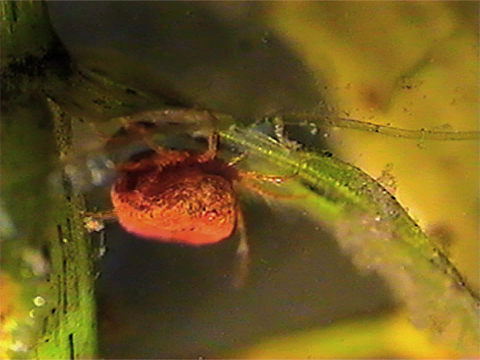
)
(48, 255)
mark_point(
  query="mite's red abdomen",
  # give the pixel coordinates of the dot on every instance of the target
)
(172, 197)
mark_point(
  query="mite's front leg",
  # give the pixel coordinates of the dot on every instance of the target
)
(243, 252)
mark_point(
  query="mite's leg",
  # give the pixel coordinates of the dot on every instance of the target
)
(242, 255)
(95, 221)
(127, 132)
(146, 126)
(279, 128)
(252, 181)
(212, 150)
(244, 175)
(238, 159)
(172, 121)
(272, 194)
(276, 179)
(144, 132)
(179, 120)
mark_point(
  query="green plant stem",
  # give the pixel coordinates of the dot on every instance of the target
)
(45, 219)
(378, 234)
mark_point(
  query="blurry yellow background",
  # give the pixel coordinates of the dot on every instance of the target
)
(391, 336)
(411, 65)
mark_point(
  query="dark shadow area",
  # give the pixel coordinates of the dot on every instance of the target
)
(209, 54)
(171, 301)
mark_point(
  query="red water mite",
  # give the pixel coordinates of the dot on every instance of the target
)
(177, 196)
(184, 196)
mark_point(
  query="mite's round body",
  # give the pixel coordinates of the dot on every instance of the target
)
(176, 196)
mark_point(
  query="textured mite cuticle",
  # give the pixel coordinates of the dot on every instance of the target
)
(176, 196)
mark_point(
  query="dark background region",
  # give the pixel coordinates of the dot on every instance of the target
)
(211, 54)
(160, 300)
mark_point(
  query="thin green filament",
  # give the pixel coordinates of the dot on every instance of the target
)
(333, 121)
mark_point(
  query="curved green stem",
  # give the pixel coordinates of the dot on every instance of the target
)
(372, 227)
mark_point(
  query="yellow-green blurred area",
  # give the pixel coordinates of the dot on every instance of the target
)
(391, 336)
(412, 65)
